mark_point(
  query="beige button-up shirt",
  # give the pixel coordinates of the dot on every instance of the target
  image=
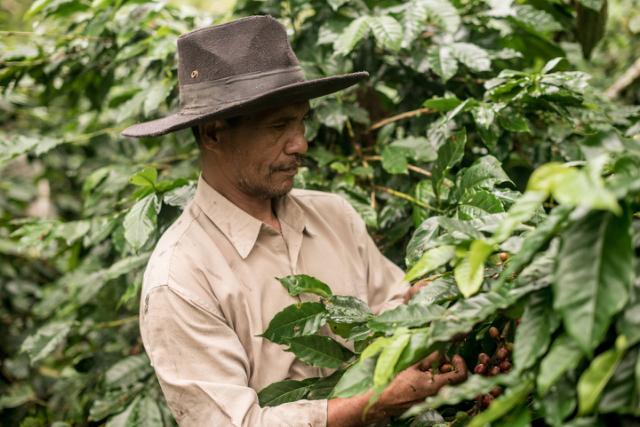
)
(210, 289)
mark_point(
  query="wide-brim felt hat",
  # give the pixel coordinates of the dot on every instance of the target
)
(235, 69)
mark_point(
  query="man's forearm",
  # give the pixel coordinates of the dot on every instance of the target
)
(348, 411)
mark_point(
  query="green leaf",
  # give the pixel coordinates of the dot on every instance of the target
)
(563, 356)
(143, 412)
(474, 57)
(405, 316)
(550, 65)
(469, 272)
(321, 388)
(559, 402)
(513, 121)
(536, 19)
(156, 93)
(148, 413)
(521, 211)
(296, 320)
(484, 173)
(46, 339)
(442, 105)
(534, 241)
(429, 261)
(147, 177)
(442, 61)
(127, 371)
(620, 395)
(444, 13)
(356, 380)
(91, 284)
(319, 351)
(437, 292)
(141, 221)
(465, 313)
(16, 395)
(179, 196)
(301, 283)
(126, 418)
(533, 335)
(37, 7)
(387, 31)
(594, 276)
(394, 160)
(347, 309)
(593, 4)
(449, 155)
(573, 187)
(385, 366)
(594, 379)
(355, 32)
(283, 392)
(503, 404)
(417, 148)
(474, 386)
(114, 401)
(629, 323)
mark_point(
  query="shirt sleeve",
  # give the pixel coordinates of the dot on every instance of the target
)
(203, 369)
(385, 280)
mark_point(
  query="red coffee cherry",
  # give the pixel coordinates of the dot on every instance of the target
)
(494, 332)
(446, 368)
(502, 353)
(484, 358)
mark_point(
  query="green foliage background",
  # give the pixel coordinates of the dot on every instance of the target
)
(482, 104)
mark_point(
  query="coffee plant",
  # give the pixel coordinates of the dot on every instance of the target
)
(480, 155)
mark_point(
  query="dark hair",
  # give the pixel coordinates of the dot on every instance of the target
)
(231, 122)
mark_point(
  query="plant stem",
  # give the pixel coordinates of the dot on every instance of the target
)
(401, 116)
(117, 322)
(411, 167)
(405, 196)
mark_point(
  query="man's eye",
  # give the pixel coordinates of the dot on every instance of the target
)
(279, 125)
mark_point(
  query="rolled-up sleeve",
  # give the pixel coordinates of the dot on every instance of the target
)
(203, 368)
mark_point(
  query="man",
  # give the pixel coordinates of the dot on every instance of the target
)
(210, 287)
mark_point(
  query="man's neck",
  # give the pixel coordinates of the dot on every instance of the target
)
(258, 208)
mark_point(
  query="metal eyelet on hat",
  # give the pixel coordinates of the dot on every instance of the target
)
(194, 74)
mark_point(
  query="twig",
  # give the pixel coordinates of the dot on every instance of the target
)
(116, 323)
(411, 167)
(33, 33)
(624, 80)
(401, 116)
(405, 196)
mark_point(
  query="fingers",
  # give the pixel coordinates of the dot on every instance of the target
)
(458, 375)
(414, 289)
(426, 363)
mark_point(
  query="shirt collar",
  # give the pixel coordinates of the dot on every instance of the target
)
(240, 228)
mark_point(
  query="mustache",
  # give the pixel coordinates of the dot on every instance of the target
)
(297, 161)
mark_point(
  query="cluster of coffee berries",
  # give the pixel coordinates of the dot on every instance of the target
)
(493, 365)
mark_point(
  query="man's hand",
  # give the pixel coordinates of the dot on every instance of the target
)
(410, 386)
(414, 289)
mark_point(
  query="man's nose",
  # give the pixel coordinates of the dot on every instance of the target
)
(297, 143)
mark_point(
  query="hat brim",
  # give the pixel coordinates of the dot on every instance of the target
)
(305, 90)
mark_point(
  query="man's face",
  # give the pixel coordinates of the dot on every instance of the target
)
(261, 153)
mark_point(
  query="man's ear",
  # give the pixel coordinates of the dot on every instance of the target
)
(211, 134)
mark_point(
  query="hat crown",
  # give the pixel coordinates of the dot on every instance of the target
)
(250, 45)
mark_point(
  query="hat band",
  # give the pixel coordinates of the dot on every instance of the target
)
(205, 97)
